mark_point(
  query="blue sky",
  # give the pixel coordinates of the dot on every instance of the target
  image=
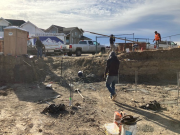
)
(141, 17)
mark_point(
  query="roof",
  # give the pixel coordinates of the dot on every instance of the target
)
(15, 22)
(31, 24)
(4, 20)
(42, 29)
(58, 27)
(63, 29)
(69, 29)
(85, 38)
(15, 27)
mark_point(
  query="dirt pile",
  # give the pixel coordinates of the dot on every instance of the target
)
(20, 69)
(152, 66)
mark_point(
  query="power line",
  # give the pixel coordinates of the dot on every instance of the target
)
(171, 36)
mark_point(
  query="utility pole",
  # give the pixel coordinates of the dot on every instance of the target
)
(125, 45)
(133, 36)
(170, 40)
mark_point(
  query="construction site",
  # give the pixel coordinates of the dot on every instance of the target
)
(32, 89)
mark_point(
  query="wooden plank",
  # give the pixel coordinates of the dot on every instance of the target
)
(120, 84)
(169, 89)
(145, 91)
(169, 102)
(130, 89)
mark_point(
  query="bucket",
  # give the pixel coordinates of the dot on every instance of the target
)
(117, 119)
(127, 50)
(111, 129)
(128, 129)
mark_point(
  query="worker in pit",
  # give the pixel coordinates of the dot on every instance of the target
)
(39, 47)
(112, 41)
(111, 74)
(135, 46)
(157, 39)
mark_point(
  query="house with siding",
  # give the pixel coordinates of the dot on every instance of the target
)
(31, 28)
(73, 34)
(8, 22)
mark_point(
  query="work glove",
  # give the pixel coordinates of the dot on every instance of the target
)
(105, 76)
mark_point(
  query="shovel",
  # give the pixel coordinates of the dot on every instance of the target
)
(78, 91)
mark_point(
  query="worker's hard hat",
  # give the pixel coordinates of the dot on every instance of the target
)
(80, 73)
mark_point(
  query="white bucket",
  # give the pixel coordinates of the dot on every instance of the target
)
(111, 129)
(127, 50)
(128, 129)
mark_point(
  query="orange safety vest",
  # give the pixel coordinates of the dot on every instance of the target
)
(157, 37)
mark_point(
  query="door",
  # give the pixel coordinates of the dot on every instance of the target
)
(92, 47)
(98, 46)
(84, 45)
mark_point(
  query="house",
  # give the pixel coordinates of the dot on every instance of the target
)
(73, 34)
(31, 28)
(8, 22)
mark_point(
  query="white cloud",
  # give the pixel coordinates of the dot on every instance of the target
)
(101, 16)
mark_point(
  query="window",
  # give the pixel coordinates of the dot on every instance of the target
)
(72, 34)
(75, 33)
(90, 42)
(2, 28)
(72, 40)
(172, 43)
(94, 42)
(82, 42)
(67, 41)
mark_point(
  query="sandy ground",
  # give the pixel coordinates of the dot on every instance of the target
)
(20, 109)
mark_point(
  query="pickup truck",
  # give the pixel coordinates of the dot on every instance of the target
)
(162, 45)
(85, 46)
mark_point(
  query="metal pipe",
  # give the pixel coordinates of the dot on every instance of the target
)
(71, 93)
(136, 79)
(61, 65)
(133, 36)
(178, 87)
(125, 44)
(170, 40)
(96, 44)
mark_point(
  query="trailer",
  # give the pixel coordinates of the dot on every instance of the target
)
(54, 43)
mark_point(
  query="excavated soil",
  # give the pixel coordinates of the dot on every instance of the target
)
(26, 95)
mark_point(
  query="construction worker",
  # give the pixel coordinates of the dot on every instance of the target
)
(112, 46)
(157, 39)
(134, 46)
(111, 74)
(39, 47)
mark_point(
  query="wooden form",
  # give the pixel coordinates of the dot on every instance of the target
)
(121, 46)
(15, 41)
